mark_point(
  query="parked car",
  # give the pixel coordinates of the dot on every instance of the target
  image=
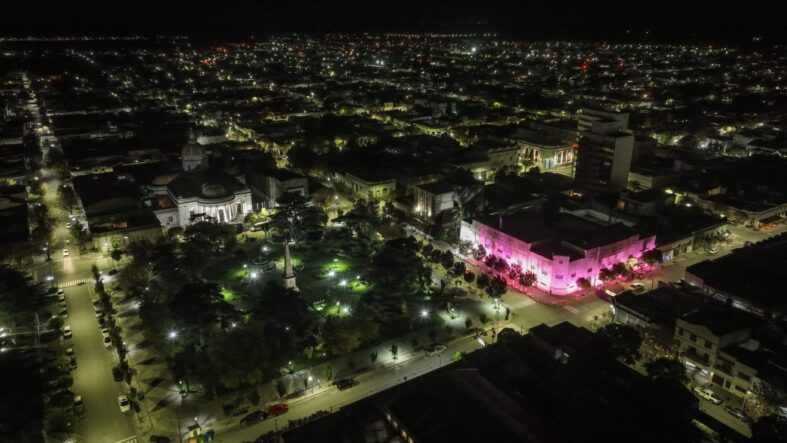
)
(435, 349)
(346, 383)
(707, 394)
(125, 405)
(159, 439)
(737, 413)
(278, 409)
(70, 352)
(79, 405)
(67, 331)
(99, 314)
(253, 418)
(107, 341)
(712, 251)
(637, 287)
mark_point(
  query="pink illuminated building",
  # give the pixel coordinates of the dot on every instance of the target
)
(559, 249)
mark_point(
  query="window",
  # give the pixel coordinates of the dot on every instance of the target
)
(744, 376)
(708, 344)
(590, 270)
(740, 389)
(559, 277)
(693, 337)
(680, 332)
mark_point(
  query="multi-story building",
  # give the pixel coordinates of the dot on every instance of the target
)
(722, 343)
(558, 248)
(604, 151)
(367, 185)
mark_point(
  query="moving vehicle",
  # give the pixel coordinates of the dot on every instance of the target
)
(346, 383)
(737, 413)
(435, 349)
(707, 394)
(125, 405)
(278, 409)
(253, 418)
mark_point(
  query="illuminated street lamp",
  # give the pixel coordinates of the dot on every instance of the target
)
(172, 335)
(424, 313)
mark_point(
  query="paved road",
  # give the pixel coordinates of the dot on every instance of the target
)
(103, 421)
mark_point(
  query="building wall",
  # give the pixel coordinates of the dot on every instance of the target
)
(429, 205)
(701, 347)
(229, 207)
(557, 274)
(104, 241)
(382, 190)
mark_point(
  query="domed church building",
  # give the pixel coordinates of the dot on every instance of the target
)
(199, 193)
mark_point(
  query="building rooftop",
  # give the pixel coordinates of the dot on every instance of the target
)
(535, 226)
(754, 273)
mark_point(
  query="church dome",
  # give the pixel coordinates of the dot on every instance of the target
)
(213, 190)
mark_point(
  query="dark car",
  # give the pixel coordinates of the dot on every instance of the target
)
(159, 439)
(254, 417)
(346, 383)
(737, 413)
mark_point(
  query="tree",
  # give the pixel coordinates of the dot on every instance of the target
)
(667, 369)
(620, 269)
(623, 340)
(469, 276)
(769, 429)
(583, 283)
(479, 253)
(770, 396)
(497, 287)
(459, 268)
(373, 356)
(528, 279)
(465, 247)
(340, 336)
(653, 257)
(606, 275)
(399, 269)
(239, 356)
(394, 352)
(116, 255)
(483, 281)
(18, 296)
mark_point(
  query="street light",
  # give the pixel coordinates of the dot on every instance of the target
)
(172, 335)
(424, 313)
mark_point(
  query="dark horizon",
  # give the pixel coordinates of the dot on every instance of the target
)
(698, 22)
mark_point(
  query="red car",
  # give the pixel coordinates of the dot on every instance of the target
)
(278, 409)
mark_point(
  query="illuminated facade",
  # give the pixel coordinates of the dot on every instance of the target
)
(558, 249)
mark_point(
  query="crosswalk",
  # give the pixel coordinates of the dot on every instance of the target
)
(68, 284)
(132, 439)
(571, 309)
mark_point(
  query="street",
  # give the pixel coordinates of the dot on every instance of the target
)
(102, 421)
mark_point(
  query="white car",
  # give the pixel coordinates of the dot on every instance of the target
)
(435, 349)
(66, 253)
(712, 251)
(707, 394)
(67, 331)
(125, 406)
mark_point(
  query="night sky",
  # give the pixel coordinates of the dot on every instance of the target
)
(692, 20)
